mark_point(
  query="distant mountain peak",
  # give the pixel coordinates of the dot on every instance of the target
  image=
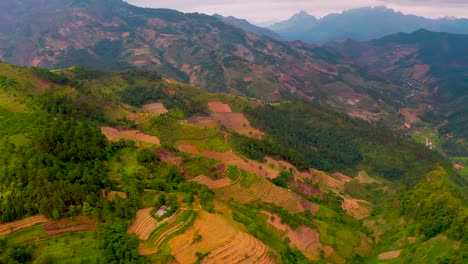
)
(303, 16)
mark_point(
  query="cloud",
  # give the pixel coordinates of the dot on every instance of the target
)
(268, 10)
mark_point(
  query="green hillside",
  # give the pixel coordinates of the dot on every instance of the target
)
(89, 157)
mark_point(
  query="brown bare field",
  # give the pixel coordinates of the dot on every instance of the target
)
(239, 123)
(216, 230)
(156, 108)
(137, 135)
(306, 239)
(113, 134)
(212, 184)
(144, 224)
(231, 158)
(112, 194)
(365, 246)
(358, 209)
(219, 107)
(390, 255)
(8, 228)
(76, 224)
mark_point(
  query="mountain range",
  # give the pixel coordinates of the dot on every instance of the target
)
(156, 136)
(193, 48)
(361, 24)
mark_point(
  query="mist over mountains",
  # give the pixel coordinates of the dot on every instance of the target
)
(361, 24)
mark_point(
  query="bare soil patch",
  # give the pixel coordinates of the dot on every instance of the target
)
(219, 107)
(239, 123)
(156, 108)
(114, 134)
(8, 228)
(76, 224)
(358, 209)
(390, 255)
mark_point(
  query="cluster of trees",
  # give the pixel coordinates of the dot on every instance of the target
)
(301, 137)
(118, 246)
(437, 205)
(310, 136)
(48, 75)
(62, 168)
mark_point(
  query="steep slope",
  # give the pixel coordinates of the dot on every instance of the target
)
(245, 25)
(434, 67)
(283, 209)
(193, 48)
(354, 24)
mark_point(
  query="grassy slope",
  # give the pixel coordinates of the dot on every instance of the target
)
(124, 163)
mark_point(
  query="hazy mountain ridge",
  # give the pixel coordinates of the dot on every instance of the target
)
(193, 48)
(433, 65)
(245, 25)
(354, 24)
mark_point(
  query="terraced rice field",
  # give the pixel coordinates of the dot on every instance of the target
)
(144, 224)
(321, 177)
(156, 108)
(365, 246)
(336, 259)
(8, 228)
(253, 188)
(139, 118)
(212, 184)
(223, 238)
(164, 230)
(358, 209)
(243, 248)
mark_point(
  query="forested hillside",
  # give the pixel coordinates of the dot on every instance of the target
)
(104, 167)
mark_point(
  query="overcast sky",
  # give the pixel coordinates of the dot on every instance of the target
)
(261, 11)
